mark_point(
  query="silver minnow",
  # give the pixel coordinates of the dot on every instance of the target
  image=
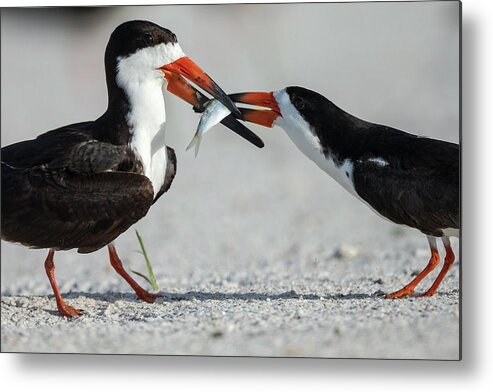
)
(215, 111)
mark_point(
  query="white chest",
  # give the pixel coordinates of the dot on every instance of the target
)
(146, 119)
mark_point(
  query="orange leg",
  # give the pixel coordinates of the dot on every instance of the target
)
(409, 288)
(449, 260)
(63, 308)
(118, 266)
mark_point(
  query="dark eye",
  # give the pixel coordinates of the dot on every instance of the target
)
(148, 38)
(299, 103)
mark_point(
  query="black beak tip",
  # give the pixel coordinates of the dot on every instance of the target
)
(238, 128)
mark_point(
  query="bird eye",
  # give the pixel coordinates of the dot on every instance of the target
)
(299, 103)
(148, 38)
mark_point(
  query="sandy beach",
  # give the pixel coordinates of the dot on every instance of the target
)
(270, 269)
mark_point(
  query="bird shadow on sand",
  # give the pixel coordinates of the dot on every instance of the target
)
(288, 295)
(112, 297)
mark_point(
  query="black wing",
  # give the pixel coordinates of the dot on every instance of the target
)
(63, 210)
(66, 189)
(416, 184)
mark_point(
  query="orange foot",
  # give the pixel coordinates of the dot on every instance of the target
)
(147, 297)
(69, 311)
(429, 293)
(401, 293)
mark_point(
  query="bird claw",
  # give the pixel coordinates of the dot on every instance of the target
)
(399, 294)
(147, 297)
(69, 311)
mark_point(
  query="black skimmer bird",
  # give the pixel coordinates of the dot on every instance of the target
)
(404, 178)
(82, 185)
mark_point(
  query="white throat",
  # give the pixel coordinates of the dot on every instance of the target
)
(300, 133)
(143, 83)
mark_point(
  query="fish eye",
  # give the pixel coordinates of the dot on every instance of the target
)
(299, 103)
(148, 38)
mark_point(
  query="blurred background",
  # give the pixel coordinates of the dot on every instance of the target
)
(237, 209)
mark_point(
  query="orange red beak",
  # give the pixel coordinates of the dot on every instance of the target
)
(187, 69)
(262, 117)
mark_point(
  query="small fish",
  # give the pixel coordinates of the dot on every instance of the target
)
(214, 112)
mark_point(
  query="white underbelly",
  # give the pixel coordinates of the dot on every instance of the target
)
(157, 170)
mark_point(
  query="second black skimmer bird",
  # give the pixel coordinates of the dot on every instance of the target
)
(82, 185)
(404, 178)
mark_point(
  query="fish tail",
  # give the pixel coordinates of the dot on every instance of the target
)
(195, 142)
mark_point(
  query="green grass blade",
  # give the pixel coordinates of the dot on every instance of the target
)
(152, 279)
(142, 276)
